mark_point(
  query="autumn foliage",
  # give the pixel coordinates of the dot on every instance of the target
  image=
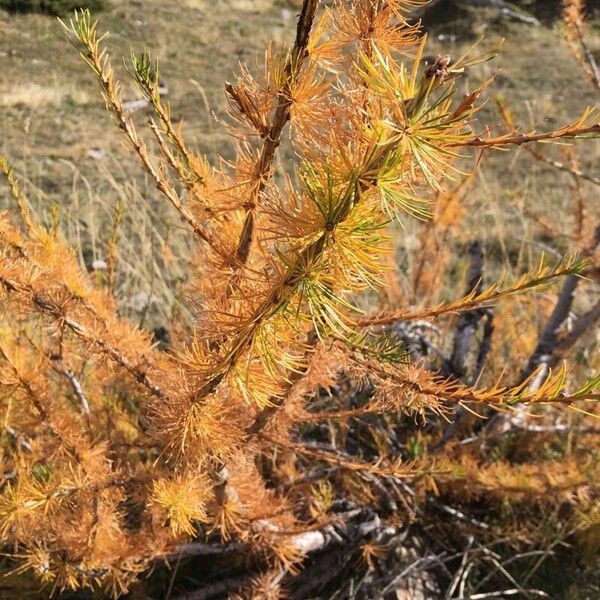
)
(305, 388)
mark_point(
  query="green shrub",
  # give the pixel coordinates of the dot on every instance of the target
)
(51, 7)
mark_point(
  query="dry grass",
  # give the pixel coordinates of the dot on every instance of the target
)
(35, 97)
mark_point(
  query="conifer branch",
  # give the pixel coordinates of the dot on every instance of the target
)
(574, 20)
(550, 390)
(98, 61)
(147, 78)
(39, 405)
(56, 311)
(582, 128)
(218, 436)
(281, 116)
(570, 266)
(181, 159)
(299, 268)
(508, 119)
(415, 390)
